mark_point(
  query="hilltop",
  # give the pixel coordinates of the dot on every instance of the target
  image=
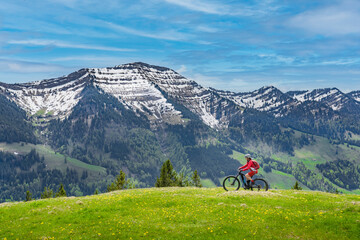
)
(185, 213)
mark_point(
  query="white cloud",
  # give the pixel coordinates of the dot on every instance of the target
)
(208, 29)
(18, 66)
(182, 69)
(341, 62)
(60, 44)
(277, 58)
(201, 6)
(166, 35)
(220, 8)
(340, 19)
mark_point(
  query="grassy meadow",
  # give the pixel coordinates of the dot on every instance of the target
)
(185, 213)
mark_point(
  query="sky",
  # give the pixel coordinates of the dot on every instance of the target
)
(225, 44)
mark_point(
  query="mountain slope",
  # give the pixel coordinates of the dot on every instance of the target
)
(266, 99)
(139, 86)
(332, 97)
(14, 125)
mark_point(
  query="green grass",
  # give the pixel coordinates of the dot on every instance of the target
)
(40, 112)
(185, 213)
(206, 182)
(238, 156)
(281, 180)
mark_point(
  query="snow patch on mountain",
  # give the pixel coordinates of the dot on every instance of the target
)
(267, 99)
(50, 102)
(355, 95)
(332, 97)
(135, 92)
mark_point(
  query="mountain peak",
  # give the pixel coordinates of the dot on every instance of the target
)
(141, 65)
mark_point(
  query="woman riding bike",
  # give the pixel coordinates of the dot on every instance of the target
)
(251, 165)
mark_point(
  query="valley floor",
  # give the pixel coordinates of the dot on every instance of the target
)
(185, 213)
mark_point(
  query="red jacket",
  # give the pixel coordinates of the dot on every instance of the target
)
(249, 165)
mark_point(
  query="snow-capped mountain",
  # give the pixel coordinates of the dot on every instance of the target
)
(157, 92)
(266, 99)
(355, 95)
(332, 97)
(143, 88)
(50, 98)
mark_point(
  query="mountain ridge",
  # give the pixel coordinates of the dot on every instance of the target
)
(57, 96)
(132, 117)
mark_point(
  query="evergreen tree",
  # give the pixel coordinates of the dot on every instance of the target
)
(120, 183)
(168, 176)
(196, 179)
(96, 192)
(61, 192)
(48, 193)
(296, 186)
(28, 196)
(182, 180)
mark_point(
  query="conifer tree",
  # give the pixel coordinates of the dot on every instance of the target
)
(119, 183)
(28, 196)
(61, 192)
(296, 186)
(168, 176)
(48, 193)
(183, 180)
(196, 179)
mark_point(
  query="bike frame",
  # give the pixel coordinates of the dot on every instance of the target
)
(242, 178)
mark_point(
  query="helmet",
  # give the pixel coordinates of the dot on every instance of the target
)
(247, 155)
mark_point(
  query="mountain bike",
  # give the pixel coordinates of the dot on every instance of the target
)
(232, 183)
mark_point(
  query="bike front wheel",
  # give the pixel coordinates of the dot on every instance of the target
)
(231, 183)
(259, 185)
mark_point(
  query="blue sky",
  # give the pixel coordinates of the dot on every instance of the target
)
(229, 45)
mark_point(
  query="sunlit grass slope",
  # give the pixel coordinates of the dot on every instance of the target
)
(185, 213)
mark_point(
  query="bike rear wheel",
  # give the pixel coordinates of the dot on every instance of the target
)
(259, 185)
(231, 183)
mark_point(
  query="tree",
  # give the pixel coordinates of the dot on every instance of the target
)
(196, 179)
(267, 168)
(182, 180)
(168, 176)
(296, 186)
(48, 193)
(28, 196)
(120, 183)
(61, 192)
(96, 192)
